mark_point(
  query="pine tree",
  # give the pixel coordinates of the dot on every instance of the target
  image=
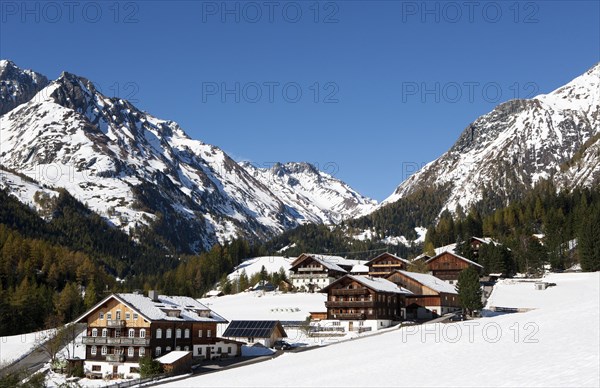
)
(589, 241)
(243, 281)
(469, 290)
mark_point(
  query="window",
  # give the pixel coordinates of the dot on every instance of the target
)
(94, 332)
(135, 316)
(158, 333)
(168, 349)
(142, 333)
(200, 333)
(186, 348)
(130, 351)
(131, 333)
(142, 352)
(118, 317)
(127, 316)
(209, 333)
(117, 333)
(178, 333)
(199, 351)
(169, 333)
(94, 350)
(178, 348)
(186, 333)
(229, 349)
(101, 317)
(157, 351)
(109, 316)
(134, 369)
(96, 368)
(104, 332)
(104, 350)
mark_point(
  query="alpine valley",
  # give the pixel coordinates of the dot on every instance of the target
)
(139, 172)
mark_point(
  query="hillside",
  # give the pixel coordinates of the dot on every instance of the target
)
(540, 344)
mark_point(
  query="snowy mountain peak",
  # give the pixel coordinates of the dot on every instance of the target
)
(17, 86)
(505, 152)
(138, 171)
(312, 194)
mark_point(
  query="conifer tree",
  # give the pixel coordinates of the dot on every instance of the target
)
(469, 290)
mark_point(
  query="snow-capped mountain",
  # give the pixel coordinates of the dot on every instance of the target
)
(17, 86)
(137, 170)
(505, 152)
(313, 196)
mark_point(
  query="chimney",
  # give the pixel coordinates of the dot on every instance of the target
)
(153, 294)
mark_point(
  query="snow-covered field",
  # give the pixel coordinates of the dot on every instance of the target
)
(254, 265)
(16, 346)
(556, 344)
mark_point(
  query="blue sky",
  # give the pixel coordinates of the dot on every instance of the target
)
(367, 91)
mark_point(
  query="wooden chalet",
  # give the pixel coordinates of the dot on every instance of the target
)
(385, 263)
(431, 297)
(447, 266)
(359, 298)
(122, 328)
(311, 272)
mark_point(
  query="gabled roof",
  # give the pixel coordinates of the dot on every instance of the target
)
(331, 262)
(190, 309)
(255, 329)
(455, 255)
(389, 255)
(173, 356)
(375, 284)
(429, 281)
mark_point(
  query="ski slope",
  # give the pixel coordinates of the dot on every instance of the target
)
(555, 344)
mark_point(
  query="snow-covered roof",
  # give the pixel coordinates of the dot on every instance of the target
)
(189, 308)
(390, 255)
(455, 255)
(173, 356)
(430, 281)
(359, 268)
(377, 284)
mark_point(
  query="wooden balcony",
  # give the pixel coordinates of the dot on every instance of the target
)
(115, 323)
(115, 357)
(115, 341)
(311, 269)
(350, 303)
(388, 265)
(310, 276)
(353, 291)
(349, 316)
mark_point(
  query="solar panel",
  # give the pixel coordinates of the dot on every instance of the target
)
(257, 329)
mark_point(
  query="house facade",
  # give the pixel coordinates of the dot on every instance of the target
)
(431, 297)
(385, 263)
(311, 272)
(364, 303)
(122, 328)
(448, 265)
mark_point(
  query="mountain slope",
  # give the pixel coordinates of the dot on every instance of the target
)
(505, 152)
(135, 169)
(312, 194)
(140, 172)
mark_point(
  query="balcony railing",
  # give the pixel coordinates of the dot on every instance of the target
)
(115, 323)
(308, 276)
(308, 269)
(115, 341)
(350, 303)
(387, 265)
(353, 291)
(349, 316)
(115, 357)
